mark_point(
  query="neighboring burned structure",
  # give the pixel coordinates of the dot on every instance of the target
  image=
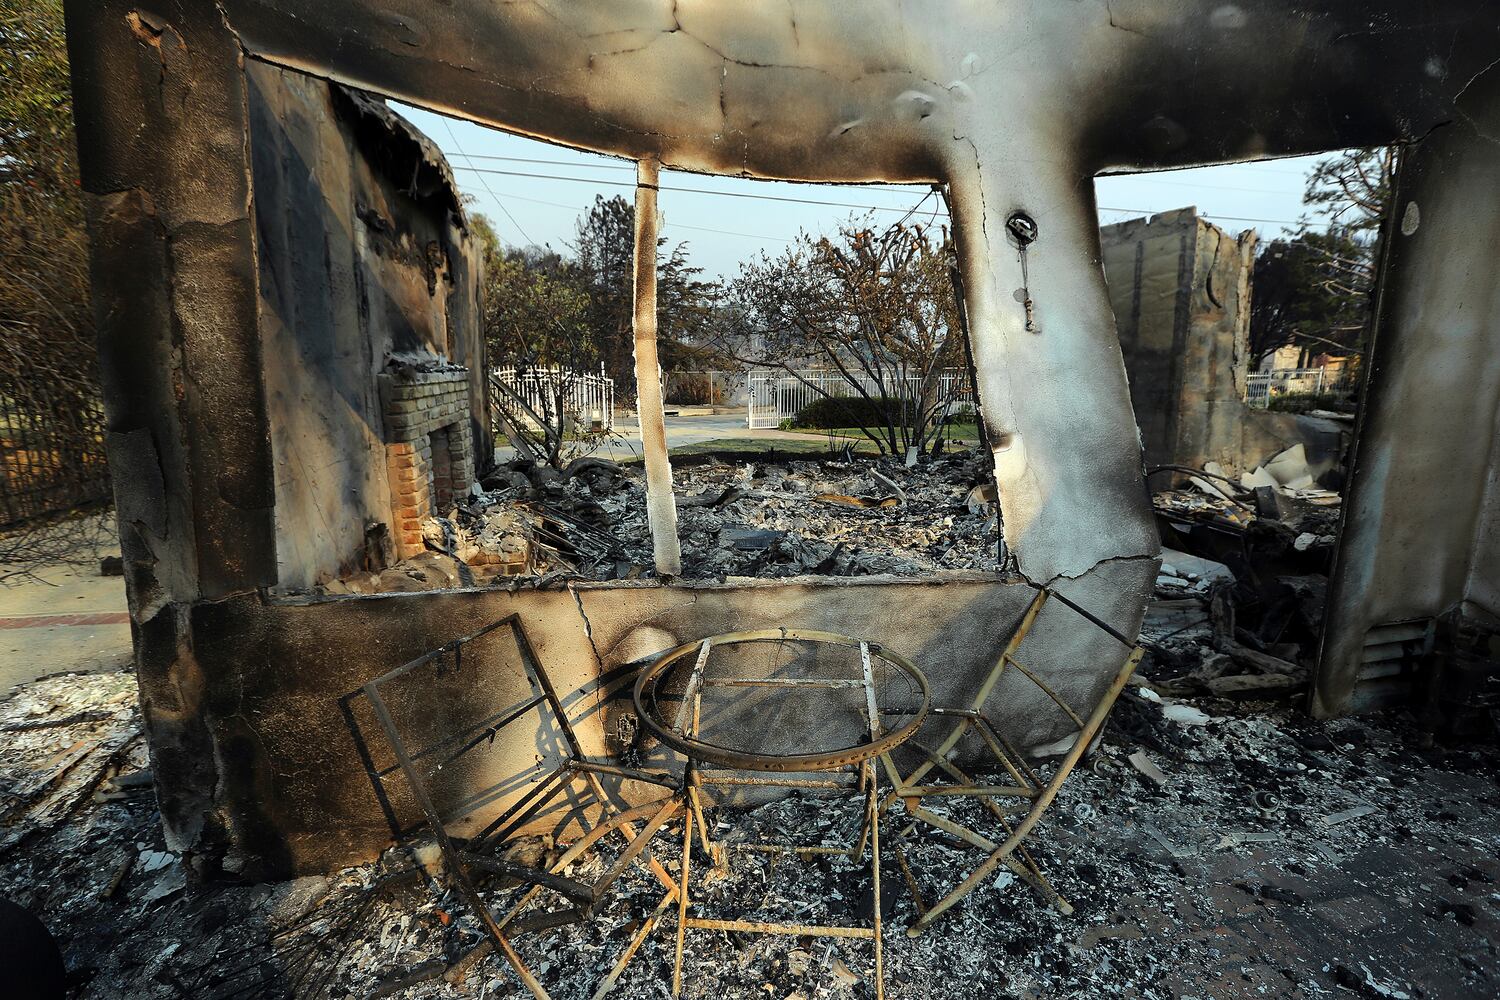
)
(1181, 289)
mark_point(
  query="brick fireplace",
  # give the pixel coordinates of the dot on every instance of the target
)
(429, 456)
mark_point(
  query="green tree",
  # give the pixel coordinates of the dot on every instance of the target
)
(1353, 188)
(1310, 291)
(1315, 289)
(45, 315)
(537, 333)
(536, 311)
(686, 305)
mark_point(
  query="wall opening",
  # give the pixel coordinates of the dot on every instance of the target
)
(1242, 298)
(849, 450)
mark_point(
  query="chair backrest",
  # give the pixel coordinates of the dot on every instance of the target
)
(462, 753)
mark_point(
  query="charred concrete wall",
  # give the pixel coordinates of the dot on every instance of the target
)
(363, 254)
(1180, 288)
(1419, 536)
(293, 746)
(240, 693)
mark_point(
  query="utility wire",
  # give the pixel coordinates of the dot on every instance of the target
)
(454, 136)
(828, 204)
(683, 190)
(668, 223)
(1151, 177)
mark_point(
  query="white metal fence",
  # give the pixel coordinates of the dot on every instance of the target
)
(1261, 387)
(589, 399)
(704, 388)
(778, 396)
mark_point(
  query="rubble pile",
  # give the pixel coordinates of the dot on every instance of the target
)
(1209, 847)
(763, 519)
(1250, 559)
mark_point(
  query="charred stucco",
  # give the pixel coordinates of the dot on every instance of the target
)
(1421, 531)
(1180, 289)
(1015, 107)
(162, 142)
(994, 99)
(364, 254)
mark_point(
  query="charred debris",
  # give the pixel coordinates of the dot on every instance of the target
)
(1210, 847)
(1216, 842)
(767, 516)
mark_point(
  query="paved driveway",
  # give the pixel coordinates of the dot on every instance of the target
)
(70, 619)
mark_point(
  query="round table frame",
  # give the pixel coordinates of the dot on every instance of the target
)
(689, 745)
(857, 760)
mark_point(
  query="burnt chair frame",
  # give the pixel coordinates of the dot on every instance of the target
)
(462, 862)
(1029, 789)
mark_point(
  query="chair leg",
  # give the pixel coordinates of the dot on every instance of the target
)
(647, 926)
(1085, 737)
(682, 900)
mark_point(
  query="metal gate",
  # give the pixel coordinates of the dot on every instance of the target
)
(51, 450)
(774, 397)
(589, 399)
(1260, 387)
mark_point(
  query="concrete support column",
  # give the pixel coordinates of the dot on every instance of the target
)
(661, 506)
(160, 105)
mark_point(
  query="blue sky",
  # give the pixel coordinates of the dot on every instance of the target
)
(533, 192)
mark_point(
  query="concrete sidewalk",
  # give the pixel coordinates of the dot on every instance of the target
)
(68, 619)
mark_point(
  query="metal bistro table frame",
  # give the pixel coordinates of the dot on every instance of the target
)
(684, 735)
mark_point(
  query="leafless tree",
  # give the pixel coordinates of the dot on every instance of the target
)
(876, 306)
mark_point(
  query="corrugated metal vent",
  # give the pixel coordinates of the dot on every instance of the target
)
(1393, 647)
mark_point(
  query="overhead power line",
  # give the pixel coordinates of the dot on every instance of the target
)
(454, 136)
(669, 224)
(821, 202)
(601, 162)
(685, 190)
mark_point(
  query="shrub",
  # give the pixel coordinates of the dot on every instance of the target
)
(690, 389)
(1304, 402)
(854, 411)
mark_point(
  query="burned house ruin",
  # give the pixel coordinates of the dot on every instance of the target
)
(1180, 289)
(293, 374)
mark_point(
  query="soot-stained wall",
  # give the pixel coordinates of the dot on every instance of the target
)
(1419, 536)
(239, 692)
(284, 745)
(363, 252)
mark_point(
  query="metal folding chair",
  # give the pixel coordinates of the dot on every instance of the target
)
(1027, 789)
(574, 773)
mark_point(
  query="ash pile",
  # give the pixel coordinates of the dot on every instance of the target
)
(533, 524)
(1210, 847)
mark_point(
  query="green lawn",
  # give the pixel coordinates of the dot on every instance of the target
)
(812, 446)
